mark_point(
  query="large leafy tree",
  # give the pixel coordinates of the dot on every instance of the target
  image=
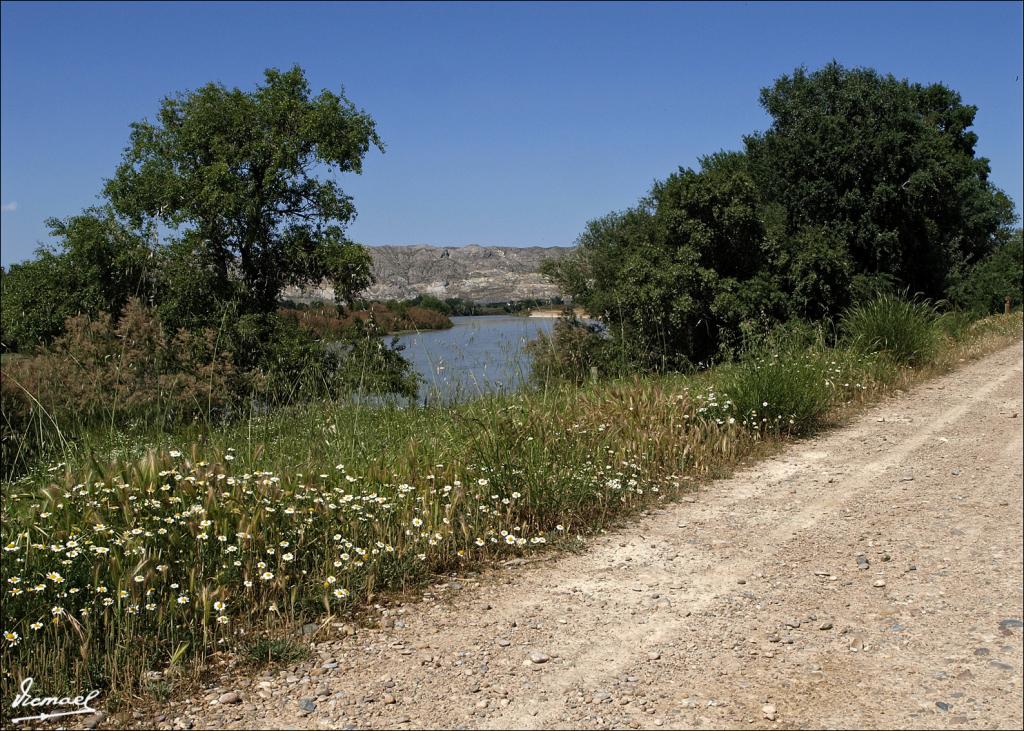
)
(882, 169)
(675, 276)
(237, 171)
(862, 182)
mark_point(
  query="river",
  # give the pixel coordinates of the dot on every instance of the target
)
(476, 355)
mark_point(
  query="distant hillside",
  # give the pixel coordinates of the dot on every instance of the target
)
(477, 273)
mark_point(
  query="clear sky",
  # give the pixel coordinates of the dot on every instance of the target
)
(504, 124)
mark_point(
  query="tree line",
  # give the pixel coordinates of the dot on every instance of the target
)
(862, 184)
(221, 201)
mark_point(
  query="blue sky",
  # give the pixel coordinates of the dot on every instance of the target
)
(507, 124)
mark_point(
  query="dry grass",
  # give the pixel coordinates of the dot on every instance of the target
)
(153, 557)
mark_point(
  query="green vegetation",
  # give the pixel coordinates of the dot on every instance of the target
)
(456, 307)
(237, 170)
(984, 287)
(99, 265)
(221, 479)
(103, 377)
(148, 553)
(788, 388)
(863, 184)
(904, 330)
(230, 177)
(376, 317)
(275, 650)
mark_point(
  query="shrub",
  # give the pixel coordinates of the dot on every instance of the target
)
(97, 264)
(575, 347)
(327, 323)
(288, 364)
(782, 387)
(567, 354)
(106, 373)
(955, 324)
(678, 272)
(985, 287)
(431, 302)
(902, 328)
(102, 371)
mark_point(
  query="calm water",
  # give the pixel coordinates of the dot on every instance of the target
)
(477, 355)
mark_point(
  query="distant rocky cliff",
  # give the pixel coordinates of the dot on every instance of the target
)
(478, 273)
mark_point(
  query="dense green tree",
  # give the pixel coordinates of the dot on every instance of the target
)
(862, 184)
(95, 264)
(240, 186)
(882, 169)
(188, 291)
(237, 171)
(984, 287)
(677, 274)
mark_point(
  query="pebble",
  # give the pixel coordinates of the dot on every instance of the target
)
(538, 658)
(502, 642)
(825, 626)
(94, 720)
(769, 711)
(388, 699)
(655, 655)
(879, 583)
(229, 698)
(307, 705)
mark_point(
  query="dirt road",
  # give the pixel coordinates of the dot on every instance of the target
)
(870, 577)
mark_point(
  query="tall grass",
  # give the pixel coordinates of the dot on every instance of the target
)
(904, 329)
(789, 388)
(146, 556)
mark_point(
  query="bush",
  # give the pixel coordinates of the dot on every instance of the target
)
(133, 372)
(568, 353)
(431, 303)
(575, 347)
(955, 324)
(985, 287)
(96, 266)
(904, 329)
(102, 371)
(286, 363)
(783, 387)
(678, 272)
(327, 323)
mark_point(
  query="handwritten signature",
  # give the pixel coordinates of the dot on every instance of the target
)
(25, 699)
